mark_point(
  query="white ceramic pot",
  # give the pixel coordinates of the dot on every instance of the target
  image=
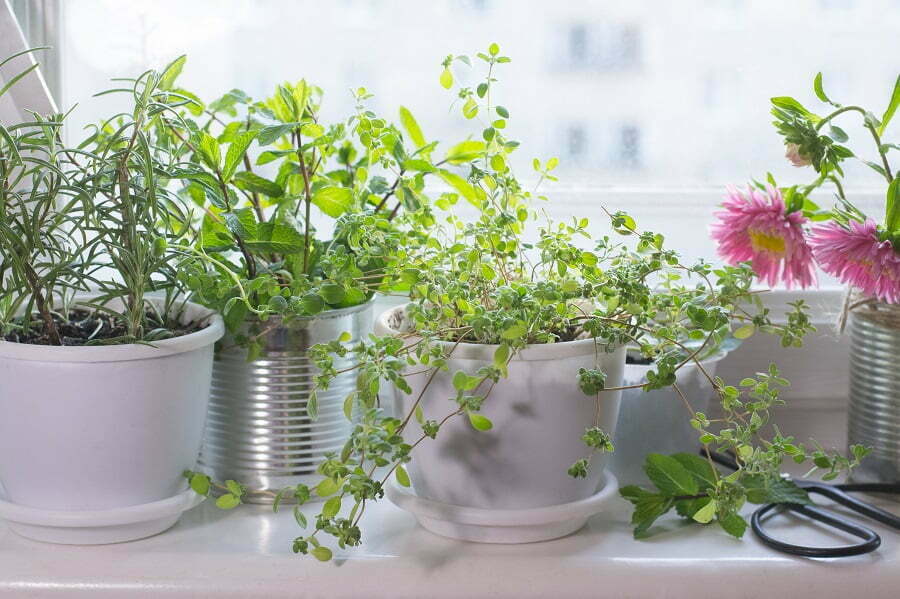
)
(104, 427)
(658, 421)
(539, 415)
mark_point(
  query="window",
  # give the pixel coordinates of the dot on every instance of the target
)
(651, 106)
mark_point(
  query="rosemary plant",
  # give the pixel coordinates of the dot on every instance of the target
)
(94, 218)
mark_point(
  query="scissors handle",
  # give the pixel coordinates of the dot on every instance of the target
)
(837, 493)
(871, 540)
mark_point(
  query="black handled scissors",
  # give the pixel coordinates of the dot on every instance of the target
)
(871, 540)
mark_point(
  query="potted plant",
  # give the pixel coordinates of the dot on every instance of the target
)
(847, 244)
(507, 364)
(297, 233)
(104, 368)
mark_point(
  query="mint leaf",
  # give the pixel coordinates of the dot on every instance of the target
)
(761, 489)
(734, 524)
(669, 475)
(687, 508)
(699, 468)
(647, 507)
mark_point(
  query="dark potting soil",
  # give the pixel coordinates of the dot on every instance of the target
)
(89, 327)
(637, 359)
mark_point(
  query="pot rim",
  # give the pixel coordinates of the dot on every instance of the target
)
(125, 352)
(531, 353)
(323, 315)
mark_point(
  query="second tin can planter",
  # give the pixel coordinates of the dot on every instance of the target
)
(258, 431)
(874, 414)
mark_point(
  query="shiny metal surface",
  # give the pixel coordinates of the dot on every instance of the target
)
(257, 430)
(874, 415)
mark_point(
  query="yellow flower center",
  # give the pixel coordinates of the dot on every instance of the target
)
(764, 242)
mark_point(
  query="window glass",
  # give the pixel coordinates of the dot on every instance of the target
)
(637, 93)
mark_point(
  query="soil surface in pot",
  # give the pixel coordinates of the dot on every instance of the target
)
(90, 327)
(637, 359)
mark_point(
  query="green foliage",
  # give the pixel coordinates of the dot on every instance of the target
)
(699, 492)
(491, 280)
(98, 216)
(824, 149)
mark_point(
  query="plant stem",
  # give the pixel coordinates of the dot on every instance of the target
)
(308, 201)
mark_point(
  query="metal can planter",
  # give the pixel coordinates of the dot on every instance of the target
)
(874, 414)
(258, 431)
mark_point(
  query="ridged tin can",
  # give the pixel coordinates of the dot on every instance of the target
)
(874, 414)
(258, 431)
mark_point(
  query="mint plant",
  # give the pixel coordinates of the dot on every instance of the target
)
(485, 281)
(263, 171)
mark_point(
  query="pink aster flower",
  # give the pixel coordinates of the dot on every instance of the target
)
(754, 227)
(857, 257)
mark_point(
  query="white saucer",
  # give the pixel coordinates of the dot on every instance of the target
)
(502, 526)
(98, 527)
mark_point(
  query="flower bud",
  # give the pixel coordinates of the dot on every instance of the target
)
(795, 156)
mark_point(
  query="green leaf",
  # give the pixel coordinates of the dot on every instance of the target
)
(299, 516)
(227, 501)
(267, 135)
(254, 183)
(235, 154)
(647, 507)
(515, 331)
(470, 108)
(464, 382)
(402, 476)
(200, 483)
(733, 524)
(210, 152)
(171, 73)
(332, 507)
(446, 79)
(275, 237)
(820, 91)
(744, 332)
(891, 108)
(408, 121)
(763, 489)
(326, 487)
(494, 49)
(234, 488)
(470, 193)
(669, 475)
(465, 151)
(792, 105)
(705, 514)
(502, 111)
(699, 469)
(332, 293)
(501, 356)
(892, 206)
(348, 405)
(333, 201)
(312, 406)
(479, 422)
(321, 553)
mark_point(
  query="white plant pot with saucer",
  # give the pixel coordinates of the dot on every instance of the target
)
(510, 484)
(94, 440)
